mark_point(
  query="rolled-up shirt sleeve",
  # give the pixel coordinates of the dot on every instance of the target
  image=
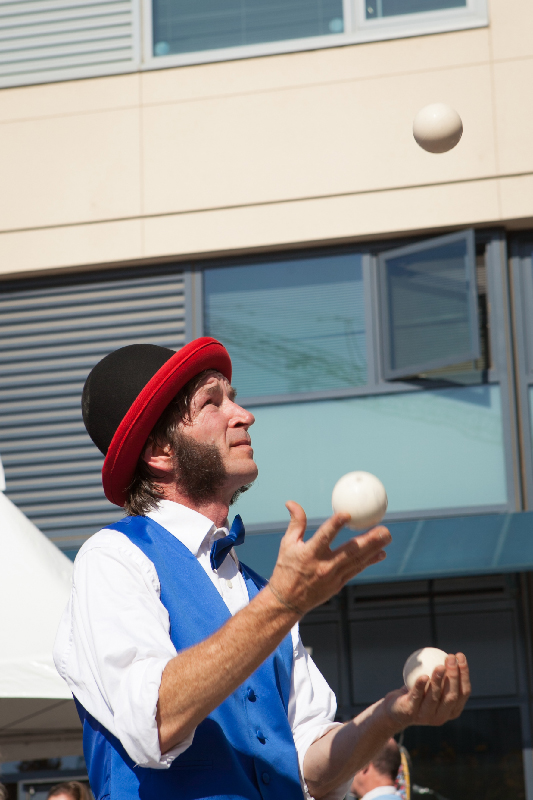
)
(113, 645)
(312, 709)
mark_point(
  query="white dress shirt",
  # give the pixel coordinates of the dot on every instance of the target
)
(381, 791)
(113, 641)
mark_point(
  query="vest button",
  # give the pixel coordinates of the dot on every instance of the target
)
(261, 736)
(266, 777)
(250, 694)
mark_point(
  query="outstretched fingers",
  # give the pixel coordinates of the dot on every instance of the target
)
(327, 532)
(310, 572)
(361, 551)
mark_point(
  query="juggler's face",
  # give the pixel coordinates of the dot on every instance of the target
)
(216, 419)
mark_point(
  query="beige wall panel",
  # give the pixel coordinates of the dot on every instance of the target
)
(69, 97)
(25, 251)
(70, 169)
(322, 220)
(517, 197)
(513, 103)
(511, 28)
(318, 140)
(330, 219)
(354, 62)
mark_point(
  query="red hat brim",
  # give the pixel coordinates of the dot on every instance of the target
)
(131, 435)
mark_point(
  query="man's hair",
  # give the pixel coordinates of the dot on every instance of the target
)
(73, 789)
(144, 491)
(388, 760)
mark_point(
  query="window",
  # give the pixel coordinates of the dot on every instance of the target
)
(393, 8)
(290, 326)
(522, 293)
(185, 26)
(44, 42)
(189, 31)
(429, 305)
(300, 325)
(304, 333)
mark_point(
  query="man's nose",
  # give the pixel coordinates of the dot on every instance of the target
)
(243, 417)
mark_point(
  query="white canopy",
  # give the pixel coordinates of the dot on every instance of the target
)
(37, 714)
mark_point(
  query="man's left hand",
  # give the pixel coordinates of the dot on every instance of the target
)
(432, 701)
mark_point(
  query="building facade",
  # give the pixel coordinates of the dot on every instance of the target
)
(247, 170)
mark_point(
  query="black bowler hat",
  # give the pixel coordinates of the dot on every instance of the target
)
(126, 393)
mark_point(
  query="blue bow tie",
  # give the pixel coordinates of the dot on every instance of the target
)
(221, 548)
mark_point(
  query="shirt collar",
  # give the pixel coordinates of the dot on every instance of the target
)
(190, 527)
(380, 791)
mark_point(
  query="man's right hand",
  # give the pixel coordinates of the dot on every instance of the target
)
(309, 573)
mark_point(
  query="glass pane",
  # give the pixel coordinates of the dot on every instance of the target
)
(458, 460)
(477, 370)
(527, 303)
(478, 755)
(488, 641)
(393, 8)
(322, 638)
(387, 642)
(530, 391)
(290, 326)
(486, 637)
(428, 307)
(185, 26)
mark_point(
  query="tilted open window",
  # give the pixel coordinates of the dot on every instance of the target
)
(428, 306)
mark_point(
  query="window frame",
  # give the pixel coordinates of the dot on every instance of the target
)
(417, 24)
(500, 371)
(521, 263)
(357, 30)
(389, 373)
(376, 383)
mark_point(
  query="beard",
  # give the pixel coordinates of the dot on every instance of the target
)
(199, 470)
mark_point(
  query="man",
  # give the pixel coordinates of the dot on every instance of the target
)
(186, 666)
(70, 790)
(377, 779)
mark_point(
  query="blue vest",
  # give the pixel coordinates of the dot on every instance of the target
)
(244, 749)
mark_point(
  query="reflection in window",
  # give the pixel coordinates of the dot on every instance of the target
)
(186, 26)
(429, 306)
(477, 370)
(393, 8)
(290, 326)
(478, 755)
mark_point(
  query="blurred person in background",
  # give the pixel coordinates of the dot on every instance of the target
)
(378, 778)
(70, 790)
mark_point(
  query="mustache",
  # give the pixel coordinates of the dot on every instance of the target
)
(240, 437)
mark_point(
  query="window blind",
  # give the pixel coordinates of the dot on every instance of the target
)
(52, 334)
(47, 40)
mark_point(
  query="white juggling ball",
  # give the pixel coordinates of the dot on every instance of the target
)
(437, 128)
(362, 496)
(422, 662)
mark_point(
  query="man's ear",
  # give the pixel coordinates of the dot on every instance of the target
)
(158, 458)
